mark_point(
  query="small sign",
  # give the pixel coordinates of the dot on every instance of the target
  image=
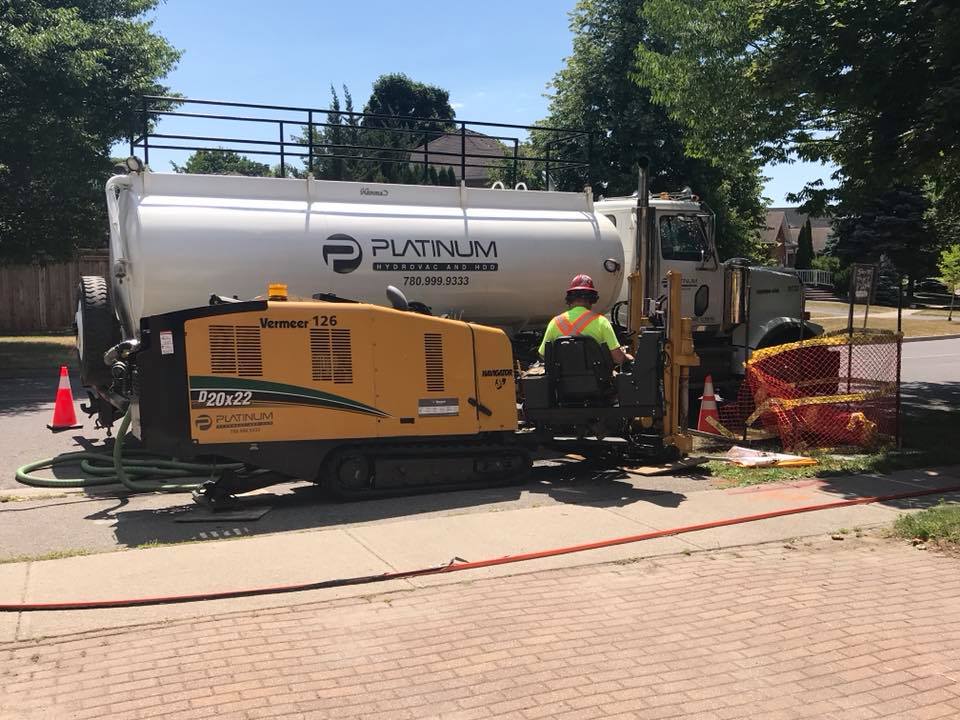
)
(863, 282)
(439, 406)
(166, 342)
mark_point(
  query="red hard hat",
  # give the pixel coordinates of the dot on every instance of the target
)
(581, 282)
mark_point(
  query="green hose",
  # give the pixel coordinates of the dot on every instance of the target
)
(149, 473)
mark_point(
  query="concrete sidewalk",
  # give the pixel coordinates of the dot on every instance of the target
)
(380, 547)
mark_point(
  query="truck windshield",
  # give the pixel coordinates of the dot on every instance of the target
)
(682, 237)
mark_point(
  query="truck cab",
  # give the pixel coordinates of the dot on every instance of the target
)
(736, 306)
(682, 240)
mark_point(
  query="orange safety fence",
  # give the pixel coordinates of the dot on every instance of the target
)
(833, 391)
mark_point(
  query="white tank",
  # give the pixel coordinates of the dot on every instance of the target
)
(500, 257)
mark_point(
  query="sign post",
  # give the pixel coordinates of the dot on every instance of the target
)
(862, 284)
(863, 281)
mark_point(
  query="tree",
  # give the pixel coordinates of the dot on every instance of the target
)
(222, 162)
(418, 113)
(597, 91)
(396, 96)
(70, 77)
(888, 283)
(871, 85)
(804, 247)
(949, 267)
(894, 225)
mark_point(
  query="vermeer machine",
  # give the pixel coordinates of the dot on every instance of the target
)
(369, 400)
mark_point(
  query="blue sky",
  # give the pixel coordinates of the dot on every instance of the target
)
(495, 57)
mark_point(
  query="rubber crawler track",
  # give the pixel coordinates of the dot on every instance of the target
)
(455, 565)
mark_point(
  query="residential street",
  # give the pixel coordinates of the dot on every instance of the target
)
(931, 374)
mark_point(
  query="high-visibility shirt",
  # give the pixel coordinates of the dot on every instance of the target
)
(580, 321)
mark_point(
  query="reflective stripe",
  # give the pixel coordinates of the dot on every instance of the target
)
(584, 321)
(568, 329)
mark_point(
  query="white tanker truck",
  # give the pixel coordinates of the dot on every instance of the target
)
(495, 256)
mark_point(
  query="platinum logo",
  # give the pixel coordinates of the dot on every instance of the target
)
(343, 251)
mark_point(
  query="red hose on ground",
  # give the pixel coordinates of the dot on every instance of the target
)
(454, 566)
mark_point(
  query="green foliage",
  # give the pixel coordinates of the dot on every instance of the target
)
(397, 95)
(888, 283)
(341, 129)
(828, 263)
(528, 171)
(597, 91)
(870, 85)
(892, 224)
(941, 522)
(805, 247)
(222, 162)
(408, 103)
(949, 267)
(70, 74)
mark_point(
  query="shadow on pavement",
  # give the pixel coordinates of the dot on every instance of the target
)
(307, 507)
(930, 396)
(853, 487)
(27, 392)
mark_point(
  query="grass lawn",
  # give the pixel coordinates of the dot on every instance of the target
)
(912, 327)
(939, 524)
(937, 312)
(929, 439)
(37, 352)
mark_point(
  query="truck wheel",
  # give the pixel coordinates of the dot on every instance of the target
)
(97, 330)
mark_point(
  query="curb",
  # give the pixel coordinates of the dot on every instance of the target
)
(921, 338)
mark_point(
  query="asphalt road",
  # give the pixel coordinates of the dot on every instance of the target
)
(930, 373)
(932, 361)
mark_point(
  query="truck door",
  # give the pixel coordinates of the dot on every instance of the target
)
(686, 245)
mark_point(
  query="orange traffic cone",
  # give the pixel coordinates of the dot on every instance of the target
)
(709, 420)
(64, 414)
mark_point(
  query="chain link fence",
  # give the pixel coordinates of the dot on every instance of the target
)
(836, 391)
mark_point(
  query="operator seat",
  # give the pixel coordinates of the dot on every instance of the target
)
(580, 371)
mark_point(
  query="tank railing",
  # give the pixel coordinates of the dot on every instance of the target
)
(347, 146)
(410, 138)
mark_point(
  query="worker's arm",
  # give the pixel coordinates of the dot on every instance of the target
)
(619, 355)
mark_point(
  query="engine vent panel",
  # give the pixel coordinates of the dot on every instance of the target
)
(235, 350)
(433, 350)
(331, 355)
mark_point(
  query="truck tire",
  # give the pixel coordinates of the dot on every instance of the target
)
(97, 330)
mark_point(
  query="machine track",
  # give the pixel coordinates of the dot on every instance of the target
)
(362, 471)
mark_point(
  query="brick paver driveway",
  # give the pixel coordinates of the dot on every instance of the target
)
(855, 629)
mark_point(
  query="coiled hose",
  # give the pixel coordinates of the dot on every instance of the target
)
(137, 470)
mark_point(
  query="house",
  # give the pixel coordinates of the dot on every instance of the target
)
(476, 147)
(782, 232)
(777, 240)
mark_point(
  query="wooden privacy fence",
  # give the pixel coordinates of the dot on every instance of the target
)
(42, 298)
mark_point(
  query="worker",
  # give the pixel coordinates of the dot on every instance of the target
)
(579, 319)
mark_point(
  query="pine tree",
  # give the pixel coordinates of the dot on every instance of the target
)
(804, 247)
(888, 283)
